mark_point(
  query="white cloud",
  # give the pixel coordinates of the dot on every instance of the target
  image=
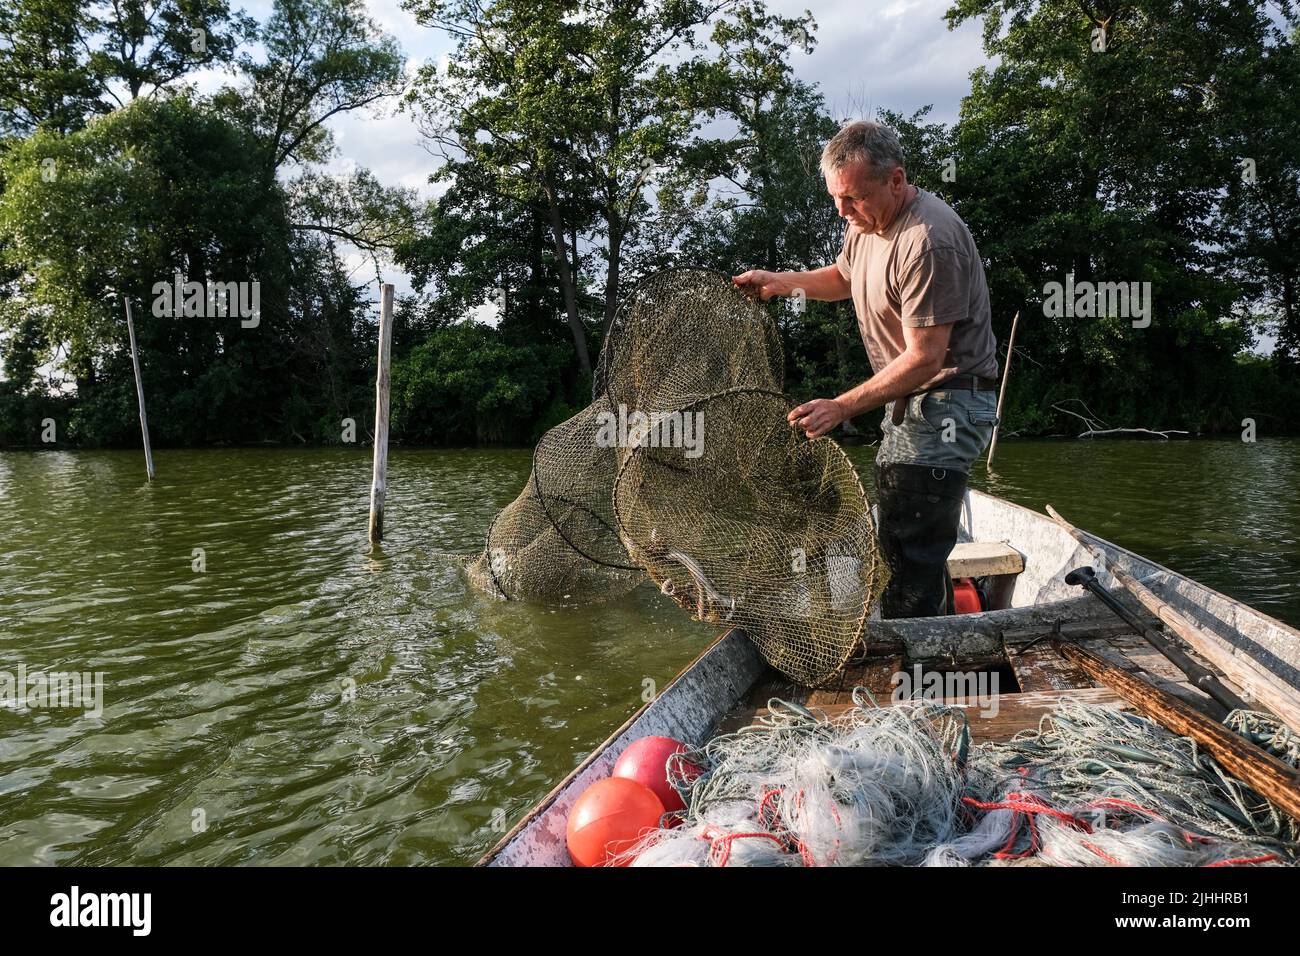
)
(898, 55)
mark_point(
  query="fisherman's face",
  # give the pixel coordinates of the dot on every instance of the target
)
(867, 203)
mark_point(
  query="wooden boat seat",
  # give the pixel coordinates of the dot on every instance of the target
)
(976, 559)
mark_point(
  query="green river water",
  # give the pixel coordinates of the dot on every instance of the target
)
(301, 701)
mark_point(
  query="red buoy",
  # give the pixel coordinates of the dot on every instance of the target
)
(646, 761)
(608, 818)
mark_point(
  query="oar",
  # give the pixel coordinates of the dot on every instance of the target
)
(1260, 770)
(1270, 690)
(1201, 677)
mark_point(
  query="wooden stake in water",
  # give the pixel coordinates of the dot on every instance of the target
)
(379, 479)
(1002, 392)
(139, 389)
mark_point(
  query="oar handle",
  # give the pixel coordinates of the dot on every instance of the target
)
(1201, 677)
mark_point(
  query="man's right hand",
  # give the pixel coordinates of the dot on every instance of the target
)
(762, 283)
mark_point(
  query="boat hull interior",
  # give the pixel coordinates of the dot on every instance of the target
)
(966, 660)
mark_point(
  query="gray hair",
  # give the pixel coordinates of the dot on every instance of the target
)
(864, 142)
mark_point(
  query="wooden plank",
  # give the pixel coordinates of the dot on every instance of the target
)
(973, 559)
(771, 683)
(878, 677)
(1040, 668)
(840, 686)
(1007, 715)
(963, 638)
(1017, 712)
(1133, 654)
(874, 671)
(1077, 631)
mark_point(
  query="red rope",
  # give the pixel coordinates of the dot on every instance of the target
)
(1111, 803)
(769, 815)
(1243, 861)
(765, 809)
(718, 838)
(1108, 858)
(1026, 808)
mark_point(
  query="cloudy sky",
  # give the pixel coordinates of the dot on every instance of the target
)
(896, 54)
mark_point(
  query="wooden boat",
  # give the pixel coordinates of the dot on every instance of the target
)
(1026, 556)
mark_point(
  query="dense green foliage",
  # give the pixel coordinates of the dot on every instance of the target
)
(117, 199)
(1156, 141)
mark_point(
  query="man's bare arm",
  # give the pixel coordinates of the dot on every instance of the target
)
(920, 364)
(823, 285)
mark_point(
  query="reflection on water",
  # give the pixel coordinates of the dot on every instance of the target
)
(302, 701)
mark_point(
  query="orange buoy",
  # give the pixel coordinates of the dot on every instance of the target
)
(646, 761)
(608, 818)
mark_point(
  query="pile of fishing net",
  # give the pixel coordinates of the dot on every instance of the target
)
(904, 785)
(684, 470)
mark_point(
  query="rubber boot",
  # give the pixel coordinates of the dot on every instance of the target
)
(920, 513)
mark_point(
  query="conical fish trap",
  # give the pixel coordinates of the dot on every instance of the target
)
(573, 468)
(763, 530)
(684, 467)
(557, 540)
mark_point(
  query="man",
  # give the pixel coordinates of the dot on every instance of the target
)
(917, 283)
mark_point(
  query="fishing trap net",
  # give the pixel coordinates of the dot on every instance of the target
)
(685, 471)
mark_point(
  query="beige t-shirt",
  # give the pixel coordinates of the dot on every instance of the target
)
(925, 270)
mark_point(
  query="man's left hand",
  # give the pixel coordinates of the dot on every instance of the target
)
(818, 417)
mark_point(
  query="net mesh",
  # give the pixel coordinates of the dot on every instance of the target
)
(764, 530)
(684, 470)
(907, 785)
(557, 540)
(684, 334)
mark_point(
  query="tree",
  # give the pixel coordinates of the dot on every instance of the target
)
(570, 107)
(161, 186)
(149, 44)
(768, 206)
(44, 77)
(1095, 148)
(323, 59)
(177, 184)
(1261, 210)
(62, 61)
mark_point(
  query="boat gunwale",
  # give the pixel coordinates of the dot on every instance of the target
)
(547, 801)
(1245, 663)
(1141, 559)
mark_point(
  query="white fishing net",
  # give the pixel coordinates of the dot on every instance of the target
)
(904, 785)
